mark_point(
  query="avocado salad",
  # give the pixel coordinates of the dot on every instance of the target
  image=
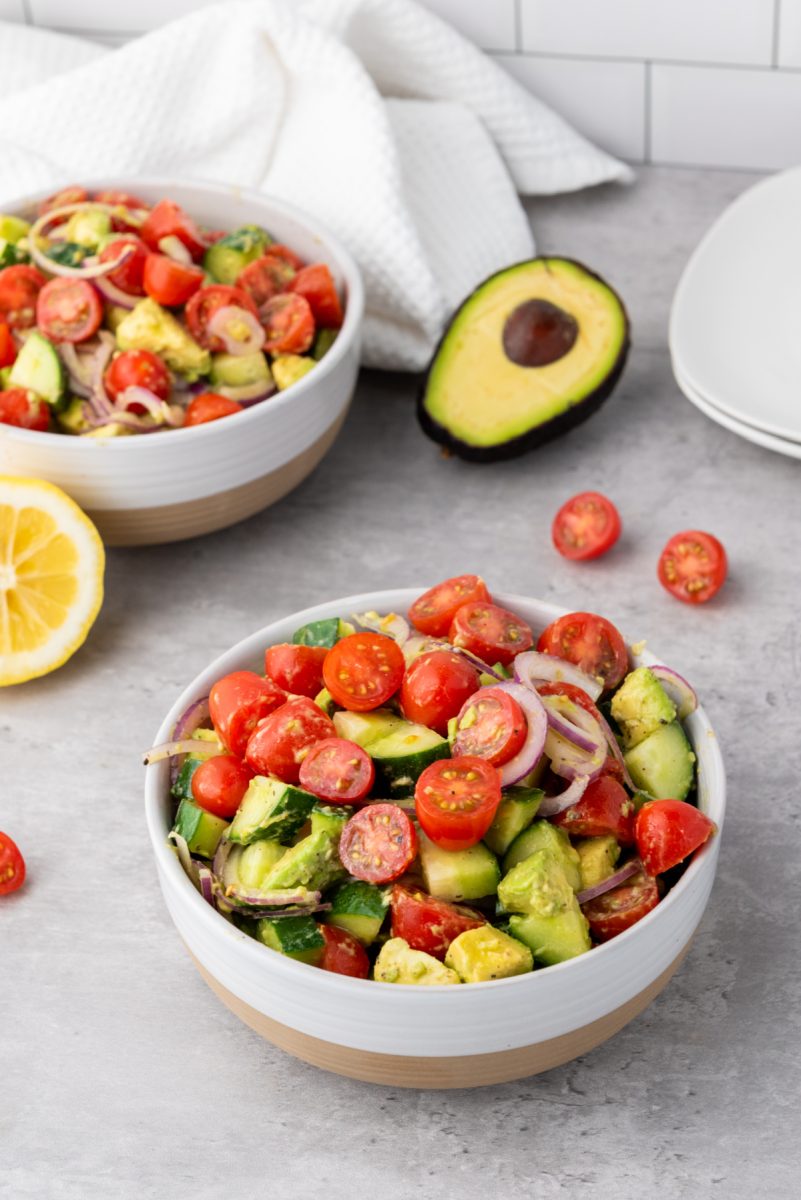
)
(118, 317)
(445, 797)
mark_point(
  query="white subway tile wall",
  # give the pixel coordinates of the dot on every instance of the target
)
(707, 82)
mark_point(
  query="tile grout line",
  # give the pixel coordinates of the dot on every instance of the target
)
(623, 60)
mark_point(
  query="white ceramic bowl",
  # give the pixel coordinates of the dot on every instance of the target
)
(432, 1036)
(187, 482)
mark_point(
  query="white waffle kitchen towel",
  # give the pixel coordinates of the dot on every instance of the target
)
(374, 115)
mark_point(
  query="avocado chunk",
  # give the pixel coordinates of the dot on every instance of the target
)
(547, 917)
(533, 351)
(12, 229)
(640, 706)
(458, 874)
(542, 835)
(225, 260)
(148, 326)
(88, 227)
(597, 859)
(398, 963)
(240, 370)
(481, 954)
(289, 368)
(515, 813)
(312, 863)
(663, 765)
(73, 419)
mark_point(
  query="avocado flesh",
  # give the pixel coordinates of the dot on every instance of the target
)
(483, 405)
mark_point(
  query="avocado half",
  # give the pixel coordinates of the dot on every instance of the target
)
(533, 351)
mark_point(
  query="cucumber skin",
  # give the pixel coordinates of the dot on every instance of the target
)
(397, 776)
(27, 372)
(318, 633)
(296, 937)
(201, 830)
(182, 788)
(283, 821)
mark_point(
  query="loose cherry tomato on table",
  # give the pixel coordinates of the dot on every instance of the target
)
(8, 349)
(137, 368)
(205, 303)
(265, 278)
(169, 282)
(343, 954)
(210, 406)
(429, 924)
(612, 766)
(297, 669)
(492, 726)
(67, 195)
(219, 784)
(589, 641)
(69, 310)
(378, 843)
(586, 526)
(693, 566)
(281, 741)
(129, 276)
(316, 284)
(619, 909)
(237, 703)
(168, 219)
(433, 612)
(456, 800)
(435, 687)
(338, 771)
(667, 831)
(605, 808)
(363, 670)
(19, 287)
(24, 409)
(12, 866)
(288, 324)
(491, 632)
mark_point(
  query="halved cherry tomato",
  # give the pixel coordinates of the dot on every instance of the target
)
(12, 866)
(205, 303)
(436, 686)
(129, 276)
(338, 771)
(297, 669)
(210, 406)
(67, 195)
(284, 254)
(667, 831)
(612, 766)
(137, 368)
(265, 278)
(19, 287)
(219, 784)
(68, 310)
(491, 725)
(605, 808)
(237, 703)
(169, 282)
(693, 566)
(491, 632)
(429, 924)
(316, 284)
(8, 349)
(24, 409)
(433, 612)
(589, 641)
(617, 910)
(363, 670)
(280, 742)
(378, 843)
(456, 800)
(343, 954)
(586, 526)
(168, 219)
(288, 324)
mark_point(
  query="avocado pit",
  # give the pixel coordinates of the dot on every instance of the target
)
(537, 333)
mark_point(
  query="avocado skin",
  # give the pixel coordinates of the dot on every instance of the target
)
(539, 435)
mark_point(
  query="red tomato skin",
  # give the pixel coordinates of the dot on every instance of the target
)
(118, 199)
(205, 303)
(358, 661)
(461, 828)
(586, 526)
(667, 831)
(12, 866)
(209, 407)
(296, 669)
(280, 741)
(67, 195)
(168, 282)
(137, 368)
(8, 349)
(493, 633)
(266, 277)
(68, 310)
(605, 808)
(578, 638)
(616, 911)
(313, 778)
(429, 924)
(343, 954)
(237, 703)
(689, 588)
(168, 219)
(435, 686)
(24, 410)
(288, 324)
(510, 718)
(316, 284)
(219, 784)
(433, 612)
(19, 288)
(378, 831)
(129, 276)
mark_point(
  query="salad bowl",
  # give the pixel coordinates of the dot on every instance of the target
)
(432, 1037)
(186, 482)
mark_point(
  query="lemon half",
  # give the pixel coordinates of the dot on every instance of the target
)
(51, 578)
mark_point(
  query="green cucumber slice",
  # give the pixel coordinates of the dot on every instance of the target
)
(39, 369)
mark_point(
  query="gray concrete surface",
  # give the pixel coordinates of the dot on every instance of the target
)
(122, 1076)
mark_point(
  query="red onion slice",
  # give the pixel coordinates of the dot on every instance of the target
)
(617, 753)
(420, 643)
(90, 268)
(607, 885)
(237, 328)
(161, 412)
(238, 896)
(170, 749)
(678, 689)
(115, 295)
(190, 719)
(533, 668)
(537, 727)
(551, 805)
(188, 863)
(174, 248)
(573, 723)
(206, 885)
(392, 625)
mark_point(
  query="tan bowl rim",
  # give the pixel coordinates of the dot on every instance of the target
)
(354, 309)
(341, 984)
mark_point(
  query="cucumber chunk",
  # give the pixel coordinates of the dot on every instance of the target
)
(663, 765)
(226, 259)
(322, 633)
(516, 811)
(400, 750)
(359, 908)
(330, 820)
(296, 937)
(270, 809)
(323, 341)
(458, 874)
(39, 369)
(201, 830)
(256, 860)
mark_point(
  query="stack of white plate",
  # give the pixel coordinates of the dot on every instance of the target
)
(735, 325)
